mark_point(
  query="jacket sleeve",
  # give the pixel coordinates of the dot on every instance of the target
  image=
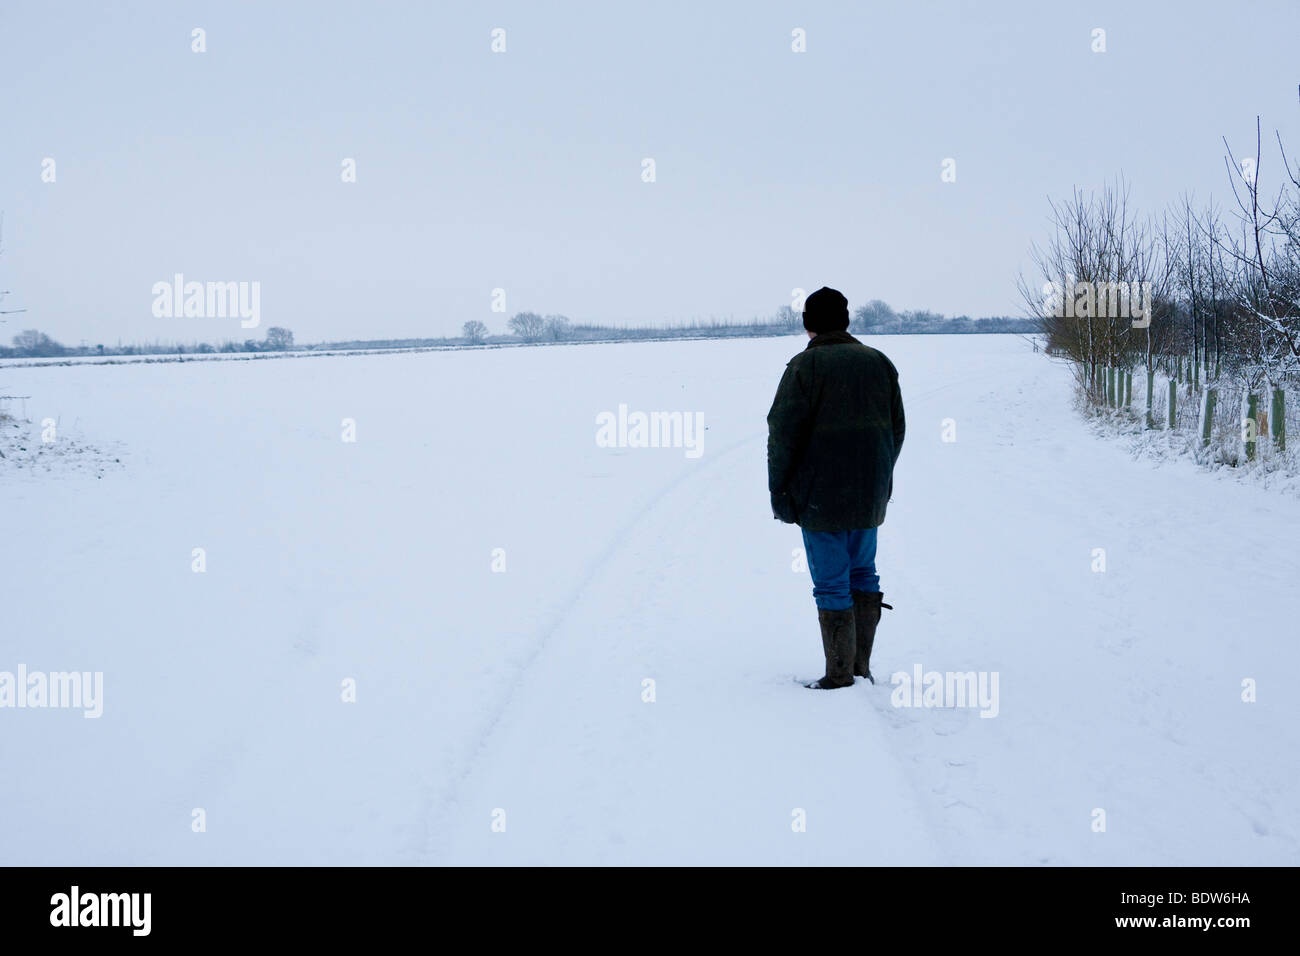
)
(896, 404)
(788, 422)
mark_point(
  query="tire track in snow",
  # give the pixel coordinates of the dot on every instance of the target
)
(445, 796)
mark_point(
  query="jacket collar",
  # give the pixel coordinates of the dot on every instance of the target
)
(831, 338)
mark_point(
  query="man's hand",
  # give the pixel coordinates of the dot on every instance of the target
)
(783, 507)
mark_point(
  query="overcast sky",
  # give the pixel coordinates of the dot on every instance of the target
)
(523, 170)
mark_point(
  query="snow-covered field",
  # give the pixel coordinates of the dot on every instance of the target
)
(502, 710)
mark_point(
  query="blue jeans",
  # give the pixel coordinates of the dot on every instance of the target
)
(841, 562)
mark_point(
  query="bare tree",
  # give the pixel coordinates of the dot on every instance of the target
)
(36, 344)
(1265, 333)
(278, 339)
(529, 326)
(875, 316)
(474, 331)
(1102, 266)
(557, 327)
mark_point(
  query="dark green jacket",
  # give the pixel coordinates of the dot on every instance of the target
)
(833, 436)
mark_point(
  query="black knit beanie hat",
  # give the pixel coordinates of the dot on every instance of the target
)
(825, 311)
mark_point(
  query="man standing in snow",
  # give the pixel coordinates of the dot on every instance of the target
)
(833, 438)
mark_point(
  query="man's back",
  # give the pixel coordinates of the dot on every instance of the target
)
(834, 434)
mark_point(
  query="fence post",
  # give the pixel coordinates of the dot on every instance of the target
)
(1173, 403)
(1128, 389)
(1207, 415)
(1279, 419)
(1251, 425)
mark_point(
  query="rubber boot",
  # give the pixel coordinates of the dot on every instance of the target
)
(838, 637)
(866, 616)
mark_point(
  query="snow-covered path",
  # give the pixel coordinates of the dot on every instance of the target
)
(729, 753)
(521, 690)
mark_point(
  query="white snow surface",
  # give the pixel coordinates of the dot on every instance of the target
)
(479, 691)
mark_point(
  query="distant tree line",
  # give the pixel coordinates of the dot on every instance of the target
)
(875, 317)
(32, 343)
